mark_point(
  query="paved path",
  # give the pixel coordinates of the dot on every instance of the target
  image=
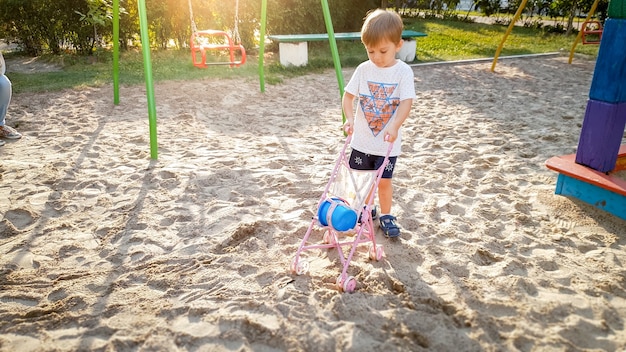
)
(491, 20)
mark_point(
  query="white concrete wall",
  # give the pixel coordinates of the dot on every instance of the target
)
(293, 54)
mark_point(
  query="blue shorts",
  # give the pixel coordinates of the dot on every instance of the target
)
(362, 161)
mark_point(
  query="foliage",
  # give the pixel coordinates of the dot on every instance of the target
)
(48, 26)
(488, 7)
(306, 16)
(99, 15)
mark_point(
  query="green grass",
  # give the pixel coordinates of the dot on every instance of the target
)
(446, 41)
(454, 40)
(98, 70)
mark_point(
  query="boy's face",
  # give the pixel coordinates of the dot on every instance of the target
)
(383, 54)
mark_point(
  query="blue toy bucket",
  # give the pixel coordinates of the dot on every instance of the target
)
(336, 213)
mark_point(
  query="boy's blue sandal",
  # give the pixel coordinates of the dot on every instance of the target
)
(389, 226)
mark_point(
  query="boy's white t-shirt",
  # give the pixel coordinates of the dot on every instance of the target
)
(379, 91)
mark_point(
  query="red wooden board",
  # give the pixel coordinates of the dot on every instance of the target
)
(566, 165)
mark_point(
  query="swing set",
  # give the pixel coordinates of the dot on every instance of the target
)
(211, 40)
(229, 45)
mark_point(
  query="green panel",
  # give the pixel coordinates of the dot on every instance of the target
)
(617, 9)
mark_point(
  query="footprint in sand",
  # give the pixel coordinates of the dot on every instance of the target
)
(7, 229)
(19, 218)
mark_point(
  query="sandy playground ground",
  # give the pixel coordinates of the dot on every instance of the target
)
(103, 249)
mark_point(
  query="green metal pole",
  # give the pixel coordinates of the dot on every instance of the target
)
(262, 45)
(333, 44)
(333, 49)
(147, 66)
(116, 52)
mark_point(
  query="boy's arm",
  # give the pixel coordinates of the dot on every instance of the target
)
(347, 104)
(391, 132)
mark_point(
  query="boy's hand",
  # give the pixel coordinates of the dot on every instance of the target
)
(391, 134)
(348, 127)
(393, 128)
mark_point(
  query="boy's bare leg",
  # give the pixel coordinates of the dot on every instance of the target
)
(385, 195)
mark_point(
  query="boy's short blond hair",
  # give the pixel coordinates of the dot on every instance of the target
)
(380, 25)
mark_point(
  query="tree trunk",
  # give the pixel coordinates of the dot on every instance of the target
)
(384, 4)
(570, 20)
(469, 10)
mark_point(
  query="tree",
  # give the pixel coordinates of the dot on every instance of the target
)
(571, 8)
(305, 16)
(98, 16)
(488, 7)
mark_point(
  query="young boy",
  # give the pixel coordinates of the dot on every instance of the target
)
(385, 91)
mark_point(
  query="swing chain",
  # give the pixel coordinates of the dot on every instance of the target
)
(236, 36)
(194, 28)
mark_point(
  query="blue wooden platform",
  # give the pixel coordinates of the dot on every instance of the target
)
(602, 190)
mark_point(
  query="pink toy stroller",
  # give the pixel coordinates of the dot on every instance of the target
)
(344, 210)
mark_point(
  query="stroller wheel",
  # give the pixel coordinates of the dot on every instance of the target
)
(376, 253)
(299, 267)
(350, 285)
(329, 238)
(347, 285)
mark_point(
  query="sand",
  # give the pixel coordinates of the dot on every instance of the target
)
(104, 249)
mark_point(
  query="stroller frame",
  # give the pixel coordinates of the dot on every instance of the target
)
(363, 231)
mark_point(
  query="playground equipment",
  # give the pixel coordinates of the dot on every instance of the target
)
(214, 40)
(147, 65)
(204, 41)
(591, 32)
(589, 174)
(602, 190)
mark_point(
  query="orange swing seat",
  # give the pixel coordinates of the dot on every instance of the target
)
(593, 29)
(206, 40)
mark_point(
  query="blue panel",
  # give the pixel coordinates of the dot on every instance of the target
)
(598, 197)
(609, 77)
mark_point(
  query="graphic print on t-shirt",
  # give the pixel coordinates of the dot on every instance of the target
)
(379, 106)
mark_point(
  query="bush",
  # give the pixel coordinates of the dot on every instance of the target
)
(306, 16)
